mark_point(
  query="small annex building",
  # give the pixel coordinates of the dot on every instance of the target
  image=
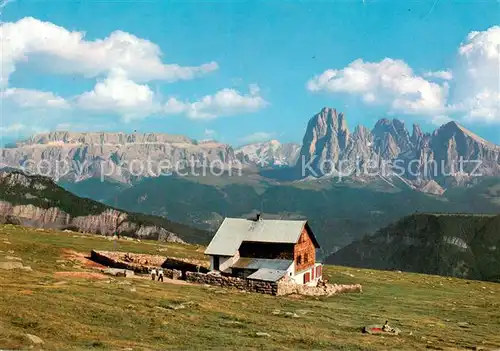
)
(266, 249)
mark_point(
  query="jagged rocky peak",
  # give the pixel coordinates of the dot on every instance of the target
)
(456, 130)
(326, 136)
(329, 118)
(362, 133)
(417, 135)
(459, 150)
(391, 138)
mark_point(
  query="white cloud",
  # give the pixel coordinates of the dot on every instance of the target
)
(68, 52)
(121, 95)
(27, 98)
(444, 75)
(471, 92)
(440, 120)
(122, 64)
(209, 133)
(223, 103)
(478, 86)
(258, 137)
(13, 128)
(82, 127)
(389, 81)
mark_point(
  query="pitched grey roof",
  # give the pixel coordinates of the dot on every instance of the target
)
(258, 263)
(233, 231)
(268, 275)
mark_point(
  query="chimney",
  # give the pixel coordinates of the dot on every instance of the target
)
(257, 217)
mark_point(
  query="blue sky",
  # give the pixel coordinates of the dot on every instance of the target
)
(247, 71)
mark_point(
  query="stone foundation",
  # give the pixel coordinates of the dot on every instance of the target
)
(279, 288)
(322, 289)
(133, 262)
(258, 286)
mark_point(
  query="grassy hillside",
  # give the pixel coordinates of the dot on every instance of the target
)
(44, 193)
(452, 245)
(70, 313)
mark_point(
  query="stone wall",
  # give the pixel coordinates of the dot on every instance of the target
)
(138, 265)
(233, 282)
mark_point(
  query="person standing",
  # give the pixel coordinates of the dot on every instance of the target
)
(153, 274)
(160, 274)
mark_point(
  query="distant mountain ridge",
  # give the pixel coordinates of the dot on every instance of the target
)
(460, 245)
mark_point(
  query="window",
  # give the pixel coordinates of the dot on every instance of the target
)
(299, 259)
(307, 278)
(318, 272)
(312, 274)
(306, 258)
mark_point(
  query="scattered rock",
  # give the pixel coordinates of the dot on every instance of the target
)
(381, 330)
(118, 272)
(231, 323)
(348, 274)
(287, 314)
(303, 312)
(34, 339)
(27, 268)
(133, 289)
(463, 325)
(11, 265)
(13, 258)
(262, 334)
(62, 282)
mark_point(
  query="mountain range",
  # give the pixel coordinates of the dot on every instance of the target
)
(430, 162)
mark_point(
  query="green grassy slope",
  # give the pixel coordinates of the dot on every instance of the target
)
(44, 193)
(122, 314)
(453, 245)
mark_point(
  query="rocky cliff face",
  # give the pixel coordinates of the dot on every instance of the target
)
(325, 141)
(108, 223)
(452, 155)
(119, 156)
(269, 154)
(37, 201)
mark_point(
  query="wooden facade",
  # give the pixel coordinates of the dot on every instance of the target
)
(304, 251)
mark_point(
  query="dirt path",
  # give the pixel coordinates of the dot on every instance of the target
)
(84, 275)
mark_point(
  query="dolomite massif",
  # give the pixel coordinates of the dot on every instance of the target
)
(450, 156)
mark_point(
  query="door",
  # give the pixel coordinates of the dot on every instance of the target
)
(216, 263)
